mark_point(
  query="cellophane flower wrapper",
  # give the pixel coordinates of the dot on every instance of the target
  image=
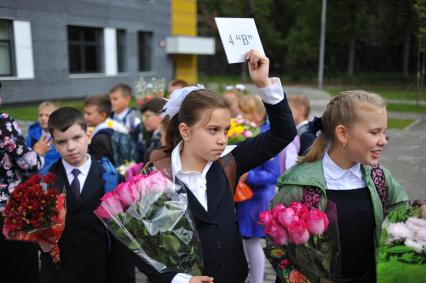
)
(241, 129)
(36, 213)
(401, 254)
(149, 214)
(317, 260)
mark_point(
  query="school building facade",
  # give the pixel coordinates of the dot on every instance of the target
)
(52, 49)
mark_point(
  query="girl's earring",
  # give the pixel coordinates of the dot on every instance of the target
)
(344, 144)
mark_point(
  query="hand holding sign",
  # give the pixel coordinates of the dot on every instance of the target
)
(238, 36)
(258, 65)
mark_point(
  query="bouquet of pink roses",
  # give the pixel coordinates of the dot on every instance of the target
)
(149, 214)
(301, 244)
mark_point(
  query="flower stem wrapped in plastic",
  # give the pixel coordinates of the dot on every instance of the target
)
(402, 249)
(149, 214)
(302, 244)
(36, 213)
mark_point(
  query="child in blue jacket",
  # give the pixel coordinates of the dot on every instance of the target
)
(38, 130)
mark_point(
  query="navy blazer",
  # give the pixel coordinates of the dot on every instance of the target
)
(84, 241)
(222, 248)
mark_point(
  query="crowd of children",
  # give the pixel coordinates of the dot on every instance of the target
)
(332, 158)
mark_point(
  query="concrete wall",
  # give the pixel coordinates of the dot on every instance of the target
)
(49, 20)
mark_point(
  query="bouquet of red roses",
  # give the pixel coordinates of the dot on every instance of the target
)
(36, 212)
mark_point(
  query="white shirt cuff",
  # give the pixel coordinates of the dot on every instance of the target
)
(272, 94)
(181, 278)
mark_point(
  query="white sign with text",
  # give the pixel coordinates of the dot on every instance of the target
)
(238, 36)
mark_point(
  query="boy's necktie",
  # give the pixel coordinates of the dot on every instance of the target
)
(75, 185)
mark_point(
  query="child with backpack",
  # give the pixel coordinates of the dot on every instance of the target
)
(121, 97)
(342, 166)
(109, 138)
(196, 148)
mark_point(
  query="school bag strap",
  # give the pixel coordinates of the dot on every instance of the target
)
(229, 166)
(110, 175)
(378, 176)
(161, 159)
(312, 195)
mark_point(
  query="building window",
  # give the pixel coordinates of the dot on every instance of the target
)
(6, 48)
(145, 51)
(121, 50)
(84, 47)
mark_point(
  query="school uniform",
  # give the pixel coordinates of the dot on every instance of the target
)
(359, 206)
(84, 241)
(210, 195)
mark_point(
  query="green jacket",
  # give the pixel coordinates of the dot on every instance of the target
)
(291, 186)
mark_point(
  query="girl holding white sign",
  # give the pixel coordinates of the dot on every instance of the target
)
(196, 148)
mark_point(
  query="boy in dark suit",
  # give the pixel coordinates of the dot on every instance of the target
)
(84, 242)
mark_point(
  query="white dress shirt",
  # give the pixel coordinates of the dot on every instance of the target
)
(196, 181)
(337, 178)
(301, 124)
(84, 171)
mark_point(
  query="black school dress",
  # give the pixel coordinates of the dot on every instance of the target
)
(355, 217)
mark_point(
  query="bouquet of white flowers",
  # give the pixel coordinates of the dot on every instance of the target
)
(402, 250)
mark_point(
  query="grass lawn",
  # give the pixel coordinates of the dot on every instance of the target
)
(386, 93)
(399, 123)
(29, 112)
(405, 108)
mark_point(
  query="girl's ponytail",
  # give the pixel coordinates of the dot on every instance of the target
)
(316, 150)
(343, 109)
(173, 136)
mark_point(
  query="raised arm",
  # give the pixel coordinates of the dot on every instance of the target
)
(255, 151)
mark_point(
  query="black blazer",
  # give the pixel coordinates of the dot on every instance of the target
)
(218, 229)
(84, 241)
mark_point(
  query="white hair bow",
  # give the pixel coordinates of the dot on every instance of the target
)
(172, 106)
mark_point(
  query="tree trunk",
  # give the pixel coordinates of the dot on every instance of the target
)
(406, 53)
(351, 58)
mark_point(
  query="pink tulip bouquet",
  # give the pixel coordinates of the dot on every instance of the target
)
(149, 214)
(302, 244)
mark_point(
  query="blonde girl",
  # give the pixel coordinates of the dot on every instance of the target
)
(196, 148)
(343, 166)
(261, 180)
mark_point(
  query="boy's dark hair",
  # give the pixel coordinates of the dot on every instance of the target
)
(64, 118)
(125, 89)
(102, 103)
(154, 105)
